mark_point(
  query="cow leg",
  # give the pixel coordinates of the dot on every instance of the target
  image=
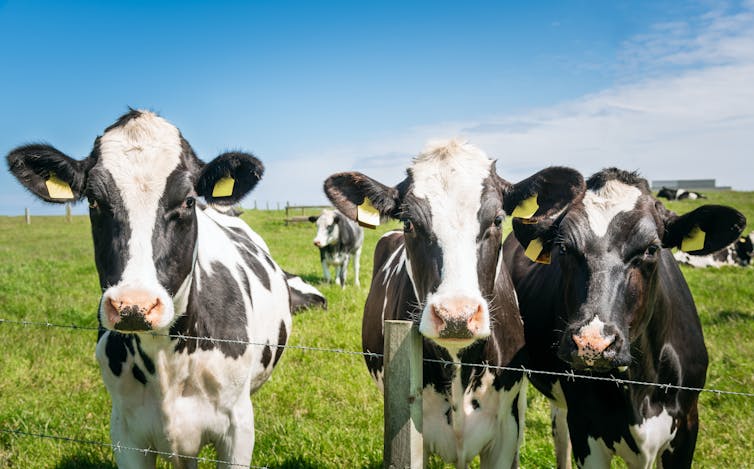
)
(325, 271)
(121, 439)
(356, 266)
(504, 451)
(680, 452)
(560, 436)
(237, 446)
(343, 273)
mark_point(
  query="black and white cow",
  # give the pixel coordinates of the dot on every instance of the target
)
(738, 253)
(171, 271)
(444, 271)
(679, 194)
(338, 239)
(613, 302)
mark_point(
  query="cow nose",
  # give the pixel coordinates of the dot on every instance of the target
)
(133, 310)
(596, 345)
(457, 318)
(317, 243)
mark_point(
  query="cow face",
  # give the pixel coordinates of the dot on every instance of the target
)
(142, 181)
(328, 231)
(452, 206)
(610, 247)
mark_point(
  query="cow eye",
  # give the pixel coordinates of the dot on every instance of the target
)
(498, 220)
(651, 250)
(190, 202)
(562, 249)
(93, 204)
(408, 227)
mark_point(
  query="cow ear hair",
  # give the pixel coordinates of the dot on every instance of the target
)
(229, 177)
(48, 173)
(704, 230)
(347, 191)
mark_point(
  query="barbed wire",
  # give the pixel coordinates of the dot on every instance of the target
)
(569, 375)
(117, 447)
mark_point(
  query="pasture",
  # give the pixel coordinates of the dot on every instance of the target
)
(320, 409)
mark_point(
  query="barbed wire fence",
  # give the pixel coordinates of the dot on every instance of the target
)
(116, 447)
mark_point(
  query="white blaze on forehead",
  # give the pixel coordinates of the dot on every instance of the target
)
(610, 200)
(449, 175)
(140, 155)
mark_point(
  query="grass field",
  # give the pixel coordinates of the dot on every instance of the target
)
(320, 409)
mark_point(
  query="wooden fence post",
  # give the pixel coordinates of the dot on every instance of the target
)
(68, 212)
(28, 216)
(404, 444)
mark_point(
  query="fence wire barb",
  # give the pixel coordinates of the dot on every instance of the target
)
(569, 375)
(118, 447)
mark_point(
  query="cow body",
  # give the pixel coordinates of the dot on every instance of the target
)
(338, 239)
(194, 311)
(613, 302)
(679, 194)
(738, 253)
(444, 272)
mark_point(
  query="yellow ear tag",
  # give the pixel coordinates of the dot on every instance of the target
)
(57, 188)
(527, 208)
(535, 252)
(367, 215)
(223, 187)
(694, 241)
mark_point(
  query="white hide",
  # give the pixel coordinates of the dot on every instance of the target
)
(603, 205)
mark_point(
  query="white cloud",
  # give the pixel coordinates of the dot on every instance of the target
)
(684, 110)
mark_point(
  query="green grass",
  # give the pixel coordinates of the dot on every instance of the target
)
(320, 409)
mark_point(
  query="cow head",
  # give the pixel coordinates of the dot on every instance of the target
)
(452, 205)
(328, 229)
(745, 249)
(608, 247)
(142, 181)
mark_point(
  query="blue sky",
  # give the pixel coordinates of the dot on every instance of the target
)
(317, 87)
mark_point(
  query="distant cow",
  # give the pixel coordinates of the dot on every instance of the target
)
(171, 271)
(738, 253)
(679, 194)
(613, 302)
(444, 271)
(338, 238)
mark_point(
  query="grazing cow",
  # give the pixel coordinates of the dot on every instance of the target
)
(738, 253)
(338, 238)
(679, 194)
(171, 271)
(613, 302)
(444, 271)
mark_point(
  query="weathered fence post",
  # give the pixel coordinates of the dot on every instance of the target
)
(404, 445)
(68, 212)
(28, 216)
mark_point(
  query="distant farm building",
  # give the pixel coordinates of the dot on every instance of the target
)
(693, 184)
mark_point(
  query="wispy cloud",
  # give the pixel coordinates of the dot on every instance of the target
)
(684, 109)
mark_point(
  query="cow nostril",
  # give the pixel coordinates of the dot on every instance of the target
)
(436, 317)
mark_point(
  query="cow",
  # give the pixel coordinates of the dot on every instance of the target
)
(679, 194)
(612, 302)
(444, 272)
(194, 312)
(338, 238)
(738, 253)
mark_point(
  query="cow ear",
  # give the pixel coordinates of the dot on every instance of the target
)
(361, 198)
(48, 173)
(704, 230)
(229, 177)
(535, 205)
